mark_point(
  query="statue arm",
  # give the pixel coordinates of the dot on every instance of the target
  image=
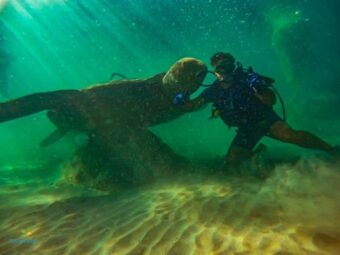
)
(34, 103)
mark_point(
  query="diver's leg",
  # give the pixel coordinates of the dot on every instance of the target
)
(281, 131)
(243, 144)
(34, 103)
(236, 155)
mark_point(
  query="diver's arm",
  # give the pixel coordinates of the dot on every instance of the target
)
(266, 96)
(34, 103)
(195, 104)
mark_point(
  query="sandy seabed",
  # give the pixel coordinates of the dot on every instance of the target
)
(296, 210)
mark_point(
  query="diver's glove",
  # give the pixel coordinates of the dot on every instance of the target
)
(253, 80)
(180, 99)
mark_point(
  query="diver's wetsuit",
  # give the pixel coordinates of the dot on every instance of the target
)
(239, 107)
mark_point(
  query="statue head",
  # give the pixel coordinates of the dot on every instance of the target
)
(185, 76)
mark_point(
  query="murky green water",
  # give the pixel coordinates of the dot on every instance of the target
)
(48, 45)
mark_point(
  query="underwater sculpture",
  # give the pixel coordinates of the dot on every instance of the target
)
(116, 117)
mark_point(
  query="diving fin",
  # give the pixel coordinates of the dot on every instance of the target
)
(55, 136)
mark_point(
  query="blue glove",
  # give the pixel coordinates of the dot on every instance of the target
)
(253, 80)
(180, 98)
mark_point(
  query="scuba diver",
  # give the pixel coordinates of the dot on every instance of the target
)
(245, 100)
(116, 117)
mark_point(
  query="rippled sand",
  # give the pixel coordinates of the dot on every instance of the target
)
(295, 211)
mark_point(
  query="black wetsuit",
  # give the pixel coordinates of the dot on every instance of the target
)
(239, 107)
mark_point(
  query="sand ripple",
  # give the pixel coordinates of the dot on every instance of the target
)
(293, 212)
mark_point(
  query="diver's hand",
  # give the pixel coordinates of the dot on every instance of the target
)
(180, 99)
(194, 105)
